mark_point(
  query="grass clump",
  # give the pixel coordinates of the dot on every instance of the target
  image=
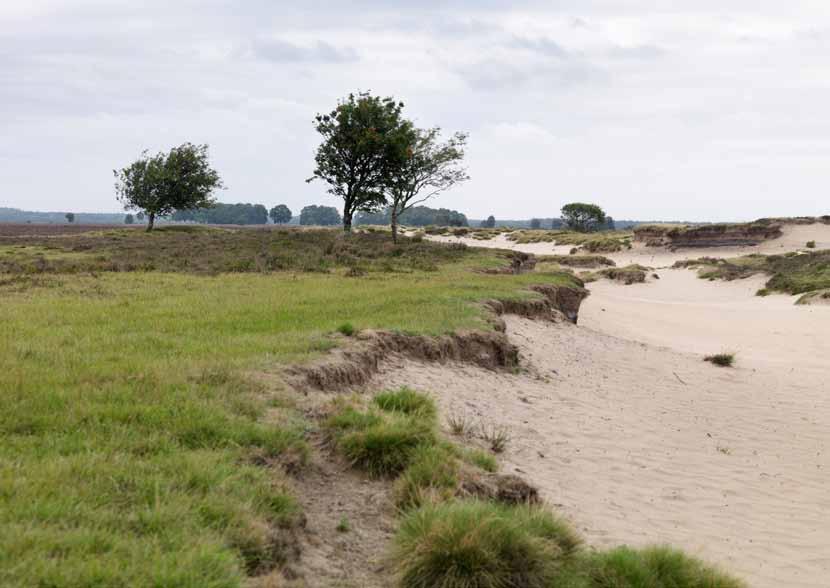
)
(343, 525)
(475, 544)
(652, 567)
(432, 477)
(721, 359)
(406, 401)
(384, 441)
(346, 329)
(496, 437)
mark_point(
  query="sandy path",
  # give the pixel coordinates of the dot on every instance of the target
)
(639, 444)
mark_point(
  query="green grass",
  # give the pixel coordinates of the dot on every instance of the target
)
(132, 403)
(406, 401)
(474, 544)
(652, 567)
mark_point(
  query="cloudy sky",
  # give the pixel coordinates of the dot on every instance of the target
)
(660, 109)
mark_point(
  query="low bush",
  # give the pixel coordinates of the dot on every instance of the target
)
(475, 544)
(811, 244)
(346, 329)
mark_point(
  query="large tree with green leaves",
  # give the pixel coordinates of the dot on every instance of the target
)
(583, 217)
(161, 184)
(363, 138)
(425, 168)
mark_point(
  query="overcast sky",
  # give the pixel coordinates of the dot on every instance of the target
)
(661, 109)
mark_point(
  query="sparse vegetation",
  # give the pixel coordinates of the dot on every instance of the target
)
(343, 525)
(811, 245)
(496, 437)
(792, 273)
(721, 359)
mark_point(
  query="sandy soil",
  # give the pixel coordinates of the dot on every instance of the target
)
(640, 444)
(795, 237)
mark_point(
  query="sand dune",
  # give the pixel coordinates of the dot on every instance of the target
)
(637, 440)
(795, 237)
(639, 444)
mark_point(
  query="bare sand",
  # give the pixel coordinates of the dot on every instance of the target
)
(632, 436)
(639, 444)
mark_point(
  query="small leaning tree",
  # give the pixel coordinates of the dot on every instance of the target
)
(363, 138)
(158, 185)
(426, 168)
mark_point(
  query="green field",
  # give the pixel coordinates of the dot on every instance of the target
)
(133, 400)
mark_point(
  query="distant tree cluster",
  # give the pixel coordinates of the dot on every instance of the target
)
(225, 214)
(70, 217)
(320, 215)
(280, 214)
(583, 217)
(372, 157)
(489, 222)
(416, 216)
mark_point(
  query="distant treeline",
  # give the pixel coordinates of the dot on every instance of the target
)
(225, 214)
(15, 215)
(417, 216)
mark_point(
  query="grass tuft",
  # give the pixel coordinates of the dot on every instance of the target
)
(476, 544)
(406, 401)
(657, 567)
(721, 359)
(346, 329)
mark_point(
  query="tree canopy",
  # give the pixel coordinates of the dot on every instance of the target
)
(161, 184)
(416, 216)
(489, 223)
(427, 168)
(583, 217)
(364, 137)
(320, 215)
(280, 214)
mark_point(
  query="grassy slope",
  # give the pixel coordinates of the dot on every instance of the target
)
(127, 429)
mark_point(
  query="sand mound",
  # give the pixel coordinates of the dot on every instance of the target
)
(638, 444)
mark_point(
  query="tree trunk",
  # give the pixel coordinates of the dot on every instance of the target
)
(394, 220)
(347, 221)
(151, 219)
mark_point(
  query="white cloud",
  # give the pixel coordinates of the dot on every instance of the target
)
(695, 110)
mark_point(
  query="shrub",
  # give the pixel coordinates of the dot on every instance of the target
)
(654, 567)
(721, 359)
(343, 526)
(811, 244)
(474, 544)
(346, 329)
(406, 401)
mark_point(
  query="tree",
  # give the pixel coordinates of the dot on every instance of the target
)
(128, 219)
(320, 215)
(583, 217)
(362, 139)
(70, 217)
(489, 223)
(535, 223)
(140, 217)
(225, 214)
(161, 184)
(280, 214)
(426, 168)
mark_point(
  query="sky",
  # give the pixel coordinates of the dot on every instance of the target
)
(672, 110)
